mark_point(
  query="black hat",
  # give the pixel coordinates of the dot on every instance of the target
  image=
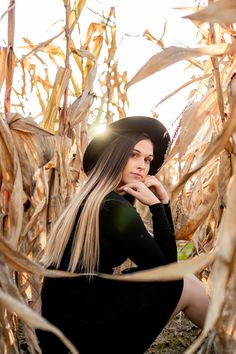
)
(150, 126)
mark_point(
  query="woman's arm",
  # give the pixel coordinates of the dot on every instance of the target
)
(169, 215)
(125, 229)
(163, 230)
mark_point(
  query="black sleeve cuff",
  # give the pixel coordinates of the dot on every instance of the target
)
(157, 208)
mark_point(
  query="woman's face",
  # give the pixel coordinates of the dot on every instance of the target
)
(138, 164)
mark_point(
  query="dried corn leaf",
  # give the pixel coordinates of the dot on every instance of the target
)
(76, 56)
(223, 12)
(83, 136)
(169, 272)
(80, 107)
(35, 217)
(97, 46)
(111, 35)
(173, 271)
(192, 120)
(39, 47)
(21, 263)
(192, 81)
(9, 287)
(64, 157)
(216, 146)
(10, 67)
(53, 50)
(60, 179)
(199, 213)
(11, 187)
(226, 328)
(10, 7)
(31, 70)
(40, 141)
(27, 162)
(174, 54)
(225, 172)
(223, 264)
(27, 125)
(75, 13)
(3, 61)
(147, 34)
(190, 8)
(92, 29)
(55, 204)
(35, 147)
(16, 261)
(11, 23)
(84, 54)
(79, 111)
(41, 101)
(52, 110)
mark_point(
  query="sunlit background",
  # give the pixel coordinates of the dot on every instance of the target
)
(40, 173)
(41, 20)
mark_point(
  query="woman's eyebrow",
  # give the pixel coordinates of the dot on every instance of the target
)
(141, 152)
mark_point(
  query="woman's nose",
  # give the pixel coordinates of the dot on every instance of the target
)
(141, 164)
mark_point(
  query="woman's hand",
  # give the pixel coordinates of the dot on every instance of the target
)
(141, 192)
(157, 188)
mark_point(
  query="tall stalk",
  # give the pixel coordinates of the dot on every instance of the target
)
(10, 56)
(64, 111)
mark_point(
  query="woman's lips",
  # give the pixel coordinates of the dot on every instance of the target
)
(137, 175)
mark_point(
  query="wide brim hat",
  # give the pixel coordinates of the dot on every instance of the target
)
(142, 124)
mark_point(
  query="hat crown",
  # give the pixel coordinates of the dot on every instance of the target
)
(142, 124)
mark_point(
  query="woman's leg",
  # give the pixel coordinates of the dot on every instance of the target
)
(194, 301)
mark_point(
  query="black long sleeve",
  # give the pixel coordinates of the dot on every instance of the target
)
(164, 230)
(124, 235)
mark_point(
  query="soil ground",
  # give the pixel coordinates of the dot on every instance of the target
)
(176, 337)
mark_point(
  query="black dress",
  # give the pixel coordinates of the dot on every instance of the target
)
(108, 316)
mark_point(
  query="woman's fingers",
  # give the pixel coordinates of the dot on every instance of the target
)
(157, 187)
(136, 186)
(140, 191)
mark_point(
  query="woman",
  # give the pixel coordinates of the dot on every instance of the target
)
(98, 231)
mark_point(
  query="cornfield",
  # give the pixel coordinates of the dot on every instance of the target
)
(40, 159)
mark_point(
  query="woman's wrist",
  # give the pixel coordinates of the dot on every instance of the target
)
(154, 201)
(165, 201)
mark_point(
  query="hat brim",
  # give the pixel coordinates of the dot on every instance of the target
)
(150, 126)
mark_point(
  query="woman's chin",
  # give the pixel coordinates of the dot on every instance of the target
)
(135, 179)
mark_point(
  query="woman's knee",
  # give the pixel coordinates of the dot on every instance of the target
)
(193, 290)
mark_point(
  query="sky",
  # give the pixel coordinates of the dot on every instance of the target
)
(39, 19)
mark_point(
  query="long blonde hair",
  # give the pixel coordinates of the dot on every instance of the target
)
(85, 206)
